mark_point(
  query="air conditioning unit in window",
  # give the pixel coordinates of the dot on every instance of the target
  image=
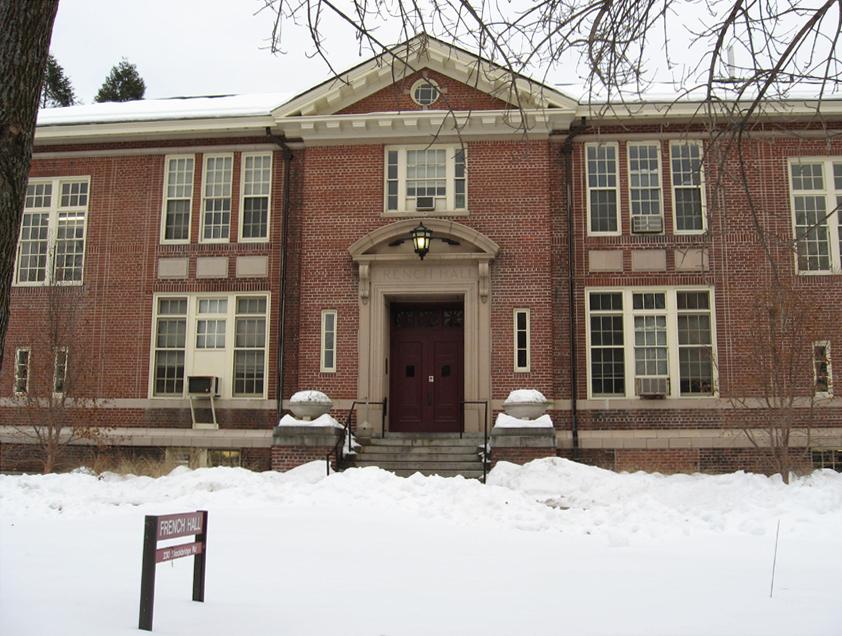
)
(207, 385)
(647, 224)
(425, 203)
(652, 388)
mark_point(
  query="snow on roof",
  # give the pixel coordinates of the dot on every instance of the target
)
(251, 105)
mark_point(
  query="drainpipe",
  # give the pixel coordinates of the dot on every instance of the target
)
(279, 381)
(567, 155)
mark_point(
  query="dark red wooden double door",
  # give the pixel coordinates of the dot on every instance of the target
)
(426, 380)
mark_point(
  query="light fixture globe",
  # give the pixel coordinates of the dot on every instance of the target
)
(421, 237)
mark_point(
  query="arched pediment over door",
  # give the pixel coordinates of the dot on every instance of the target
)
(452, 243)
(456, 270)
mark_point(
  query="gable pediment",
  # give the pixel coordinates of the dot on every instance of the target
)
(392, 74)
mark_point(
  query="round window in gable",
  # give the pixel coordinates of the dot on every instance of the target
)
(425, 92)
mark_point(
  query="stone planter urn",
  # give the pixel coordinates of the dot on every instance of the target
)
(309, 405)
(525, 404)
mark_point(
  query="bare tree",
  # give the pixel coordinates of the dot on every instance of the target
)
(24, 46)
(58, 409)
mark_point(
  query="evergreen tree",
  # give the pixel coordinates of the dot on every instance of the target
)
(123, 84)
(57, 90)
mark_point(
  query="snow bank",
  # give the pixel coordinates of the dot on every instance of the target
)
(507, 421)
(322, 420)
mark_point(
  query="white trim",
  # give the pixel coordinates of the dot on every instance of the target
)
(829, 392)
(660, 181)
(324, 368)
(618, 214)
(16, 377)
(701, 186)
(162, 238)
(52, 231)
(671, 313)
(528, 348)
(834, 218)
(421, 82)
(191, 317)
(205, 159)
(241, 213)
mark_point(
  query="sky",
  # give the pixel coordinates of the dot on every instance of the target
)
(197, 47)
(183, 47)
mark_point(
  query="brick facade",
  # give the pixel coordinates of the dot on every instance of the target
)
(516, 197)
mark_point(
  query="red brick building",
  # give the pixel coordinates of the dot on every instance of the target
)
(265, 242)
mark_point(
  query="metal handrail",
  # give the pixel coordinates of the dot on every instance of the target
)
(346, 430)
(485, 433)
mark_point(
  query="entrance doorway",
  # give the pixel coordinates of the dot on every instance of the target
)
(426, 379)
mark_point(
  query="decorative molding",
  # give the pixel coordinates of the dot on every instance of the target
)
(483, 281)
(365, 282)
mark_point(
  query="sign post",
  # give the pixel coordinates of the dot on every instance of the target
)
(162, 527)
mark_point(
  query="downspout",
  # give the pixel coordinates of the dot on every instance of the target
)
(567, 154)
(279, 381)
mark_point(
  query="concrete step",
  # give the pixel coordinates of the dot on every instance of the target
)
(420, 442)
(418, 451)
(429, 436)
(467, 474)
(416, 465)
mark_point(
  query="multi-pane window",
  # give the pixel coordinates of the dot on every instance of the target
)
(695, 343)
(222, 336)
(645, 187)
(816, 196)
(607, 364)
(257, 185)
(60, 371)
(650, 336)
(210, 325)
(425, 93)
(178, 199)
(328, 348)
(22, 359)
(651, 342)
(603, 199)
(170, 341)
(521, 342)
(425, 179)
(687, 193)
(51, 248)
(250, 346)
(822, 374)
(827, 458)
(224, 457)
(216, 197)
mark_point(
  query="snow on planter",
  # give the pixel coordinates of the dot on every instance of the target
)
(309, 405)
(324, 420)
(507, 421)
(525, 404)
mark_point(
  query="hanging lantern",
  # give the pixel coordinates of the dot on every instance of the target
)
(421, 237)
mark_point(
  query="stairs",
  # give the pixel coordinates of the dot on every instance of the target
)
(444, 454)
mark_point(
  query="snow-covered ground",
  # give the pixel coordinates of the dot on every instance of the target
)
(550, 548)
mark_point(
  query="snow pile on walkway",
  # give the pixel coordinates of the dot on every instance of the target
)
(370, 553)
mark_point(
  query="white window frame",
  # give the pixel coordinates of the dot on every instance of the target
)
(420, 83)
(243, 197)
(17, 377)
(671, 312)
(528, 366)
(52, 234)
(616, 188)
(450, 208)
(192, 318)
(163, 239)
(659, 161)
(205, 158)
(701, 186)
(830, 193)
(829, 392)
(324, 368)
(66, 353)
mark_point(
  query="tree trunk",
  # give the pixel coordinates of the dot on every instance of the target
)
(24, 46)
